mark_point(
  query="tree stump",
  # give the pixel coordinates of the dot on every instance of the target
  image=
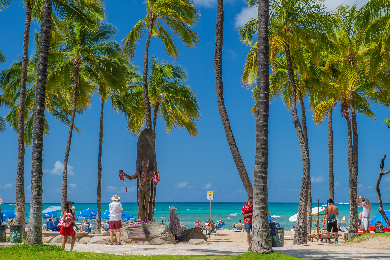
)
(349, 236)
(146, 150)
(379, 227)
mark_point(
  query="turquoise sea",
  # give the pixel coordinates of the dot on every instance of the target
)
(228, 212)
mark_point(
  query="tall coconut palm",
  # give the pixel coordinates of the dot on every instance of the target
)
(76, 9)
(90, 59)
(261, 242)
(221, 103)
(179, 16)
(34, 234)
(170, 97)
(120, 73)
(2, 57)
(288, 20)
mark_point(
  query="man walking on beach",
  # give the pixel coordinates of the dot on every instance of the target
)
(330, 213)
(247, 212)
(115, 223)
(365, 222)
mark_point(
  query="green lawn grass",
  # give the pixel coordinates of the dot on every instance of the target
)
(55, 252)
(367, 236)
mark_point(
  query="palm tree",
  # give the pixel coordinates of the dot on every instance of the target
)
(358, 73)
(221, 103)
(261, 242)
(86, 55)
(2, 57)
(179, 16)
(291, 80)
(34, 234)
(77, 9)
(111, 83)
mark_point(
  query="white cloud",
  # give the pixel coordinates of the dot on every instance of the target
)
(369, 187)
(111, 188)
(181, 184)
(59, 168)
(6, 186)
(360, 185)
(72, 185)
(318, 179)
(245, 15)
(29, 187)
(337, 183)
(207, 186)
(387, 178)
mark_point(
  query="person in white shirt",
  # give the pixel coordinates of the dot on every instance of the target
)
(115, 223)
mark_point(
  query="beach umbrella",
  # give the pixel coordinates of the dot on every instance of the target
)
(51, 209)
(52, 214)
(125, 215)
(87, 213)
(8, 214)
(106, 214)
(380, 219)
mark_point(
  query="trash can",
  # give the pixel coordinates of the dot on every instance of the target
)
(16, 233)
(278, 239)
(3, 234)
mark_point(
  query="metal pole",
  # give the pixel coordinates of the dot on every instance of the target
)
(318, 219)
(210, 221)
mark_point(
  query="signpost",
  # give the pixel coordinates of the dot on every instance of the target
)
(210, 197)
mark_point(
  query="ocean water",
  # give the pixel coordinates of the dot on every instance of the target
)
(228, 212)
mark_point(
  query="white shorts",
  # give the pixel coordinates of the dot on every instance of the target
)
(365, 224)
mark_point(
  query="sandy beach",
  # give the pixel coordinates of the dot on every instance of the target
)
(228, 242)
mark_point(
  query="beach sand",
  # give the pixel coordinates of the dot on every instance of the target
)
(228, 242)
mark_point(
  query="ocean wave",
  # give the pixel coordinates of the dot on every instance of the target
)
(235, 214)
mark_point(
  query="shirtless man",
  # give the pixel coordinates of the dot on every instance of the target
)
(332, 222)
(145, 177)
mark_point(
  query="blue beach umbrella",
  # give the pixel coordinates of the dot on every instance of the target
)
(125, 215)
(8, 214)
(106, 215)
(52, 214)
(380, 219)
(87, 213)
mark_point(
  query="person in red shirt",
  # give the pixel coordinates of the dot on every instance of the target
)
(247, 212)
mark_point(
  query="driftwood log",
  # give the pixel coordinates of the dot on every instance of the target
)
(381, 173)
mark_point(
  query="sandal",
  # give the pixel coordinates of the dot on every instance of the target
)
(119, 244)
(111, 244)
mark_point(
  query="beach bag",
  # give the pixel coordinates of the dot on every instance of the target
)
(62, 223)
(332, 219)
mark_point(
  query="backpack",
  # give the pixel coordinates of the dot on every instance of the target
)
(332, 218)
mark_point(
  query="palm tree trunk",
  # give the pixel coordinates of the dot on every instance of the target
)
(304, 130)
(300, 235)
(148, 113)
(71, 126)
(381, 173)
(99, 187)
(34, 235)
(20, 197)
(221, 103)
(330, 152)
(261, 237)
(155, 112)
(353, 217)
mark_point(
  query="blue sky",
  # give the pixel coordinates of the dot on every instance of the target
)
(190, 166)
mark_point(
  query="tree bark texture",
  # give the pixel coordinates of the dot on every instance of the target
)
(221, 103)
(330, 153)
(155, 114)
(99, 186)
(300, 235)
(304, 130)
(381, 173)
(34, 235)
(20, 196)
(353, 217)
(148, 113)
(68, 144)
(261, 236)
